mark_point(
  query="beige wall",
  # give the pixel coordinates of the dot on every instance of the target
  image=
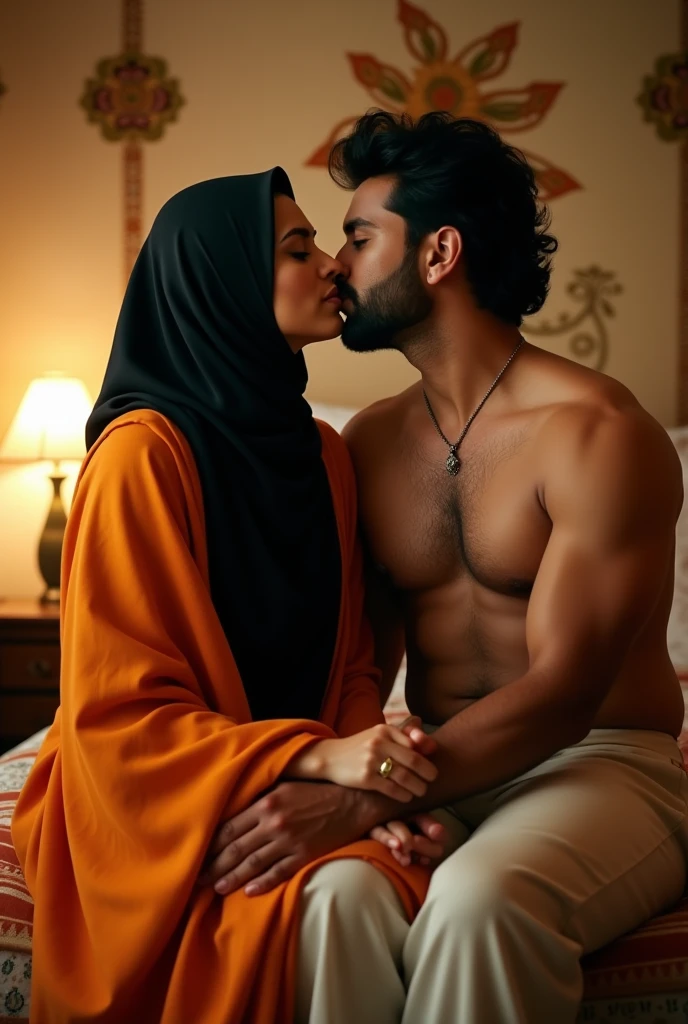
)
(264, 83)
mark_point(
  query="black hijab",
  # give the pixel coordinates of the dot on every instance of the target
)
(197, 340)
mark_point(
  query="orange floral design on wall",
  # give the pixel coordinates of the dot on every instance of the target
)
(457, 84)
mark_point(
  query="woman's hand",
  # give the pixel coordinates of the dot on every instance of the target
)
(356, 760)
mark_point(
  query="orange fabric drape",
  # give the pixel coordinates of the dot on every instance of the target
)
(153, 746)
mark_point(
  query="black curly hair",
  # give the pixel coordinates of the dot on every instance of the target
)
(459, 171)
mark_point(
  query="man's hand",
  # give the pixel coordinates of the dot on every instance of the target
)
(298, 821)
(282, 832)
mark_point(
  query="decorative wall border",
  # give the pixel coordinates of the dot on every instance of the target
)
(132, 100)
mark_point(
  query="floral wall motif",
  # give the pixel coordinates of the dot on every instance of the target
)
(664, 98)
(456, 83)
(132, 98)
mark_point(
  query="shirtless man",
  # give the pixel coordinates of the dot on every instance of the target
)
(531, 589)
(528, 573)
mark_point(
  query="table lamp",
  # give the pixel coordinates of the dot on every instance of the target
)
(49, 424)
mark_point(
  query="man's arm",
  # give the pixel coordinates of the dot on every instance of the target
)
(612, 490)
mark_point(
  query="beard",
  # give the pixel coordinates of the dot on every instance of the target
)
(388, 308)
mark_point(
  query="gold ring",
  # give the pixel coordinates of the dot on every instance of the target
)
(386, 767)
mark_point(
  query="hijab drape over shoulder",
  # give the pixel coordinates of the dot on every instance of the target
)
(198, 342)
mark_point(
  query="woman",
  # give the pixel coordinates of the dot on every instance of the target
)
(212, 630)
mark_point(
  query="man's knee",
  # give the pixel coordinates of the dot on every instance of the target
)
(472, 895)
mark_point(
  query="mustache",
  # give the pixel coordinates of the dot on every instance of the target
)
(345, 290)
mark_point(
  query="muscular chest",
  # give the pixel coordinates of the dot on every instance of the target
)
(428, 529)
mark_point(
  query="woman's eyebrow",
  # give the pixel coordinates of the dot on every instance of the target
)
(303, 232)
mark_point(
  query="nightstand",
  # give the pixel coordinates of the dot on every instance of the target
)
(29, 668)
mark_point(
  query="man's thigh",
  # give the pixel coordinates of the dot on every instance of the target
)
(592, 842)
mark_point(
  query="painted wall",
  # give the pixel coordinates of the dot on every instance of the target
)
(264, 84)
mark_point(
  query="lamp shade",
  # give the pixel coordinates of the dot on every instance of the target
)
(50, 421)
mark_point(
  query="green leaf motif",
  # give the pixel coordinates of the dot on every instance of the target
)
(482, 62)
(428, 44)
(392, 89)
(504, 111)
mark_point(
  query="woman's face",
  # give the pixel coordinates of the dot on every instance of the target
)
(306, 302)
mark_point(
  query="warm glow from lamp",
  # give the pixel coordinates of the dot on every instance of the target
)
(50, 421)
(50, 424)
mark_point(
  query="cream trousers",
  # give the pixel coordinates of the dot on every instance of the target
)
(551, 865)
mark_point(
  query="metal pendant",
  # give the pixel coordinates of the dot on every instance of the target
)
(453, 464)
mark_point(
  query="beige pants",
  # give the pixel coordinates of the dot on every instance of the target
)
(545, 868)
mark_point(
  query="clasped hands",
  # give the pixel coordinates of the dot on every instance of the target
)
(298, 821)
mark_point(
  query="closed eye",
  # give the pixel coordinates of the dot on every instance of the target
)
(360, 242)
(303, 256)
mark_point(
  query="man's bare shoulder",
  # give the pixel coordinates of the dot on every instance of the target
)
(585, 420)
(554, 380)
(579, 402)
(608, 441)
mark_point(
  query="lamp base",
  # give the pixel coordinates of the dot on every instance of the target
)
(50, 544)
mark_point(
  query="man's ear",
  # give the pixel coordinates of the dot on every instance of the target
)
(443, 249)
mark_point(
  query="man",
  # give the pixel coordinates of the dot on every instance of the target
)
(519, 513)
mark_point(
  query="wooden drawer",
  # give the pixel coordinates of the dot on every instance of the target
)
(29, 666)
(24, 714)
